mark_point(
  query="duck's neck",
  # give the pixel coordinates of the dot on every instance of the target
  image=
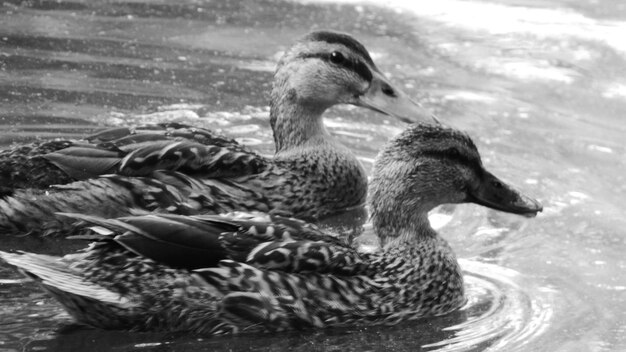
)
(399, 229)
(420, 268)
(399, 211)
(294, 122)
(326, 176)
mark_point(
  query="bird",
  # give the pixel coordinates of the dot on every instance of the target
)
(254, 272)
(175, 168)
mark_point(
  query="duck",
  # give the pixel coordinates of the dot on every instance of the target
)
(174, 168)
(254, 272)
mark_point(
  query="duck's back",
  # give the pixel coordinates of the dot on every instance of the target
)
(124, 151)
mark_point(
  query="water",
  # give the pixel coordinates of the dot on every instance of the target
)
(540, 85)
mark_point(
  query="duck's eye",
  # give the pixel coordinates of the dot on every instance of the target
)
(454, 152)
(337, 57)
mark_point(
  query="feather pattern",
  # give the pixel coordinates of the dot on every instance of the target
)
(46, 163)
(242, 272)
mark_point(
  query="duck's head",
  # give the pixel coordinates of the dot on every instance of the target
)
(426, 166)
(327, 68)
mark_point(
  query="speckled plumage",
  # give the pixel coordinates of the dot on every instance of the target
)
(309, 186)
(181, 169)
(240, 273)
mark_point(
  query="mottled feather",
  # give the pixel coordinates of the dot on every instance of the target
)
(261, 273)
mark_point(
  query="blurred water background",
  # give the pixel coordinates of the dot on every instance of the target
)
(539, 84)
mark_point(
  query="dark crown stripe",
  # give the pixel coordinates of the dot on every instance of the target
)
(343, 39)
(354, 65)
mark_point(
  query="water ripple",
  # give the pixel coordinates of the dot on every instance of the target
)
(505, 310)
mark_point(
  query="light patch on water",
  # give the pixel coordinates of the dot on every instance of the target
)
(121, 119)
(611, 288)
(243, 129)
(348, 125)
(249, 141)
(14, 281)
(368, 248)
(582, 54)
(559, 203)
(439, 220)
(360, 136)
(229, 115)
(615, 90)
(257, 65)
(377, 56)
(528, 70)
(427, 71)
(523, 115)
(149, 344)
(169, 115)
(599, 148)
(554, 207)
(214, 121)
(505, 19)
(184, 113)
(366, 160)
(489, 232)
(470, 96)
(224, 118)
(181, 106)
(577, 197)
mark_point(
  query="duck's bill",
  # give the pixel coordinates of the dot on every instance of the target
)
(383, 97)
(496, 194)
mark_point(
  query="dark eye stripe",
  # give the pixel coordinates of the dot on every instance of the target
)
(458, 158)
(343, 39)
(353, 65)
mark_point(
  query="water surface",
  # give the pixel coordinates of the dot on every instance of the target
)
(539, 85)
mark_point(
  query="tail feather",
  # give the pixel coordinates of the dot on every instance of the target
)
(34, 210)
(54, 273)
(112, 196)
(88, 302)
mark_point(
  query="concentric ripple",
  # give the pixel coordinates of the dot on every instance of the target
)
(505, 311)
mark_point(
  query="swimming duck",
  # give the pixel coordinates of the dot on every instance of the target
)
(179, 169)
(215, 274)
